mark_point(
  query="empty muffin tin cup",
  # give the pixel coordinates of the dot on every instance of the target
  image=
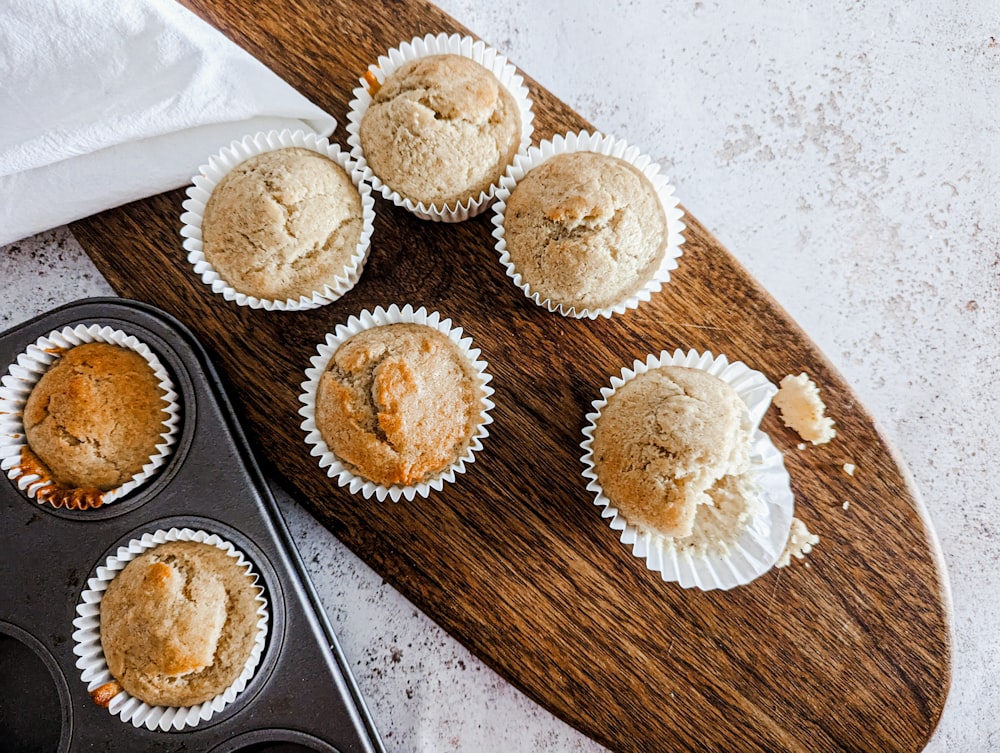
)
(336, 468)
(419, 47)
(763, 539)
(610, 147)
(94, 666)
(20, 380)
(221, 164)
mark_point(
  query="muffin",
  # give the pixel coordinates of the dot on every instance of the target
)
(665, 442)
(674, 454)
(179, 623)
(585, 230)
(283, 224)
(440, 130)
(92, 421)
(398, 403)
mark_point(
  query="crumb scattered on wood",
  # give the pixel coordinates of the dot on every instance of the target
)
(849, 468)
(803, 410)
(800, 543)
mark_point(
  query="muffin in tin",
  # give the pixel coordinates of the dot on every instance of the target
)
(171, 628)
(178, 623)
(87, 415)
(95, 417)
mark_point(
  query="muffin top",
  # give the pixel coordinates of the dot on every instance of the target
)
(398, 403)
(664, 440)
(282, 224)
(94, 418)
(585, 230)
(440, 130)
(178, 623)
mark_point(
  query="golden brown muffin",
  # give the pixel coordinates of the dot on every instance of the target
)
(664, 440)
(178, 623)
(282, 224)
(440, 130)
(398, 403)
(585, 230)
(93, 420)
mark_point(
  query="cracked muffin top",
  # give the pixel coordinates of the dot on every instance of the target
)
(282, 224)
(667, 441)
(179, 623)
(585, 230)
(94, 418)
(398, 403)
(441, 129)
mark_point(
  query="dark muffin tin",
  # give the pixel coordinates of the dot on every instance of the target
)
(302, 696)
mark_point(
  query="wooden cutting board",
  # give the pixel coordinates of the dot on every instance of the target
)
(849, 652)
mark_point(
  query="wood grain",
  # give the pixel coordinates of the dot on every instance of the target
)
(851, 652)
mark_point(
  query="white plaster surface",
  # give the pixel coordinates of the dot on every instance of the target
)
(848, 153)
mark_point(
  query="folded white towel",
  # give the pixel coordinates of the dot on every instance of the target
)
(106, 101)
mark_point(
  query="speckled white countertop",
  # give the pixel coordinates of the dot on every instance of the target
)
(848, 153)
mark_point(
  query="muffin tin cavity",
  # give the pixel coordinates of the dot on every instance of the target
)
(275, 741)
(35, 711)
(211, 484)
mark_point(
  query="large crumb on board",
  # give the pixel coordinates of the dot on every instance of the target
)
(800, 543)
(803, 410)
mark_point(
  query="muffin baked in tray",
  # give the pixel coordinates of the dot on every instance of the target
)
(67, 552)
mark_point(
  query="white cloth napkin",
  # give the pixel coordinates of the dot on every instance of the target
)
(106, 101)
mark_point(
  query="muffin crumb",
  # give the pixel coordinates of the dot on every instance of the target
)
(103, 695)
(849, 468)
(800, 543)
(802, 409)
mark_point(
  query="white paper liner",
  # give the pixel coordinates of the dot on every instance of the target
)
(94, 666)
(219, 165)
(366, 320)
(419, 47)
(761, 543)
(22, 377)
(611, 147)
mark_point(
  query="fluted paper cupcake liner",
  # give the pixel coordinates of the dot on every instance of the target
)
(762, 541)
(20, 380)
(94, 665)
(418, 47)
(335, 468)
(609, 147)
(228, 158)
